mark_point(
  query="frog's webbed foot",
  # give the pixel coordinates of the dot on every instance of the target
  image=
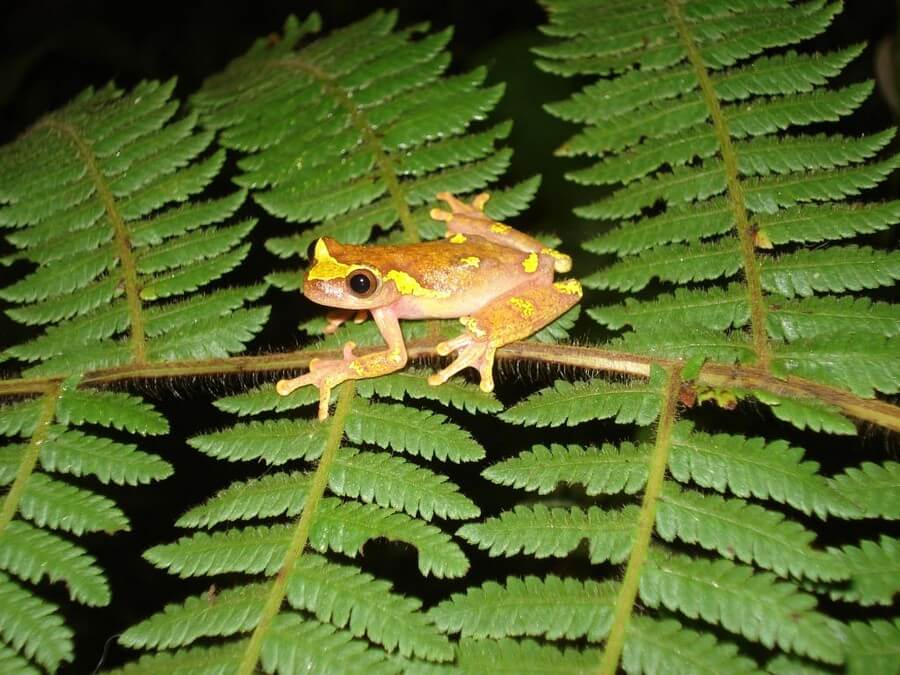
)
(338, 317)
(473, 352)
(325, 375)
(460, 208)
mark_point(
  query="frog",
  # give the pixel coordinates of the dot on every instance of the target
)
(497, 281)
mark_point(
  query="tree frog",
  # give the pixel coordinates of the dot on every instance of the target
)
(496, 280)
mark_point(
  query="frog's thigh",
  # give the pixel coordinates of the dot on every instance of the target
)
(513, 316)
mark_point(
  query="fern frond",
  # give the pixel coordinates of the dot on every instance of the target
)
(750, 467)
(110, 409)
(874, 487)
(543, 532)
(81, 454)
(807, 414)
(513, 656)
(756, 606)
(231, 611)
(343, 527)
(386, 480)
(872, 647)
(835, 269)
(454, 393)
(655, 646)
(716, 309)
(385, 98)
(276, 441)
(750, 533)
(606, 470)
(572, 404)
(33, 626)
(365, 606)
(25, 554)
(60, 506)
(295, 644)
(550, 607)
(874, 572)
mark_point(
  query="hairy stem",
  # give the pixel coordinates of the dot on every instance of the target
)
(594, 359)
(123, 243)
(628, 592)
(301, 532)
(30, 457)
(370, 139)
(745, 233)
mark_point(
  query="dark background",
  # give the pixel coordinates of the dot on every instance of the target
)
(50, 50)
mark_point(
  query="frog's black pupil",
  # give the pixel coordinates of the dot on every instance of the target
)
(360, 283)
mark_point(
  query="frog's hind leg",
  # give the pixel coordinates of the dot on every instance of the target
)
(513, 316)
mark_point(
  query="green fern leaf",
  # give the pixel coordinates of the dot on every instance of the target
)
(716, 309)
(606, 470)
(274, 441)
(751, 467)
(57, 505)
(387, 480)
(572, 404)
(690, 344)
(812, 317)
(872, 647)
(654, 646)
(188, 249)
(827, 221)
(365, 606)
(73, 304)
(265, 399)
(550, 607)
(678, 263)
(744, 531)
(274, 494)
(513, 656)
(187, 218)
(418, 432)
(53, 280)
(11, 662)
(79, 454)
(10, 459)
(33, 626)
(835, 269)
(200, 660)
(298, 645)
(874, 487)
(234, 610)
(807, 414)
(861, 363)
(81, 331)
(187, 280)
(213, 337)
(30, 554)
(342, 527)
(756, 606)
(20, 419)
(457, 394)
(110, 409)
(543, 532)
(874, 572)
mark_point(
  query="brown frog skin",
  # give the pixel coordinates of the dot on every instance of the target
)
(496, 280)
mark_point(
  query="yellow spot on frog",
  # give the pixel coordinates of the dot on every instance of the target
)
(458, 238)
(525, 307)
(326, 267)
(500, 228)
(357, 367)
(530, 264)
(407, 285)
(471, 323)
(563, 261)
(471, 261)
(569, 287)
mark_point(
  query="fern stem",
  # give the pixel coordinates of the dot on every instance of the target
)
(30, 457)
(628, 592)
(712, 375)
(745, 232)
(384, 162)
(301, 532)
(123, 246)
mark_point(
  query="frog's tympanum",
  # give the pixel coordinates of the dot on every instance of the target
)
(496, 280)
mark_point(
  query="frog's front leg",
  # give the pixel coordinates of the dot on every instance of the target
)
(327, 374)
(337, 317)
(512, 316)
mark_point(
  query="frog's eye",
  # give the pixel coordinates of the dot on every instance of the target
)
(362, 283)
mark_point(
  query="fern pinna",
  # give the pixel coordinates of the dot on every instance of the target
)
(716, 531)
(88, 195)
